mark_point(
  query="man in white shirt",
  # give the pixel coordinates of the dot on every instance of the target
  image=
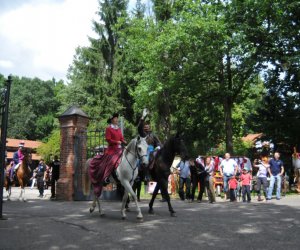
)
(228, 168)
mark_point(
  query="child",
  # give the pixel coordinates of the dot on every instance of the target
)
(246, 180)
(232, 183)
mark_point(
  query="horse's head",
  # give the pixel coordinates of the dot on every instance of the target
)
(27, 156)
(179, 145)
(141, 147)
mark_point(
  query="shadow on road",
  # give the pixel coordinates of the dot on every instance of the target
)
(44, 224)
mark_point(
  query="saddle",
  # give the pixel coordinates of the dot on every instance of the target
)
(152, 159)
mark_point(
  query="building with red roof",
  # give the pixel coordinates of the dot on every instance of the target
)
(12, 146)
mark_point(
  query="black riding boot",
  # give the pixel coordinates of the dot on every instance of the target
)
(114, 175)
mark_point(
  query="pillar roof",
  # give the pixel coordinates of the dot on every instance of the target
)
(73, 110)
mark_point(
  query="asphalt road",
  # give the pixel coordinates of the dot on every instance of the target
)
(44, 224)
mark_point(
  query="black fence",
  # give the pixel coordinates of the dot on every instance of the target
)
(4, 106)
(95, 142)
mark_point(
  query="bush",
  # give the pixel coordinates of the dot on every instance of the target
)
(51, 148)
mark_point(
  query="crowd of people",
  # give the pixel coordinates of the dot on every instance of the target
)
(196, 173)
(46, 175)
(42, 176)
(200, 172)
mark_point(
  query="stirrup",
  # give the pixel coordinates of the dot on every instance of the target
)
(105, 181)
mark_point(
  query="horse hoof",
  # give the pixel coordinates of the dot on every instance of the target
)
(151, 211)
(173, 214)
(102, 214)
(92, 210)
(123, 217)
(24, 200)
(140, 219)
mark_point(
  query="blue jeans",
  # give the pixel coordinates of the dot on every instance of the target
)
(272, 182)
(226, 178)
(187, 182)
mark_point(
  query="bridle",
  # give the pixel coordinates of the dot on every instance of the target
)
(136, 153)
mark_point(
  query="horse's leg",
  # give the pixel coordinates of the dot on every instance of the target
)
(92, 208)
(165, 194)
(129, 189)
(99, 206)
(9, 190)
(127, 204)
(155, 192)
(21, 187)
(23, 195)
(124, 201)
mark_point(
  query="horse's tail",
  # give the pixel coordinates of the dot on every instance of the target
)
(86, 178)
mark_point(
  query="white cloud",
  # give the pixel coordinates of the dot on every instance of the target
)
(40, 39)
(6, 64)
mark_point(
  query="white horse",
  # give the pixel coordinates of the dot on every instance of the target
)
(127, 171)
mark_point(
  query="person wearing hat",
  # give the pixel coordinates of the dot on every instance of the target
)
(115, 139)
(17, 158)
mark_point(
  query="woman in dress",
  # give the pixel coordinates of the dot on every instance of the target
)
(102, 166)
(115, 139)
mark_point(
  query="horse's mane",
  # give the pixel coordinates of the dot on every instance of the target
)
(130, 146)
(168, 142)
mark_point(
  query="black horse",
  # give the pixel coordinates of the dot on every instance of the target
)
(161, 168)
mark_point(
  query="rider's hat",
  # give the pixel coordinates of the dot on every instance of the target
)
(21, 144)
(112, 117)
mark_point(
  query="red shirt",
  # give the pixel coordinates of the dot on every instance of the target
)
(232, 183)
(112, 136)
(246, 179)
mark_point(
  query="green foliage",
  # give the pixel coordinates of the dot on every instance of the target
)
(216, 70)
(92, 72)
(241, 148)
(33, 106)
(174, 72)
(51, 147)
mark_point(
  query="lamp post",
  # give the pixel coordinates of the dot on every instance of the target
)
(4, 118)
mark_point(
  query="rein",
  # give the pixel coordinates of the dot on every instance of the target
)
(136, 153)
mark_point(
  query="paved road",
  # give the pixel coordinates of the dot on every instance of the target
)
(44, 224)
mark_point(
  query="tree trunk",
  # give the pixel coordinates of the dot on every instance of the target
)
(225, 81)
(228, 124)
(228, 104)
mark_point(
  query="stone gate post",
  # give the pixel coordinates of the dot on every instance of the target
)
(72, 122)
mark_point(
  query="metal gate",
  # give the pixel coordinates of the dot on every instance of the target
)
(87, 144)
(4, 106)
(95, 142)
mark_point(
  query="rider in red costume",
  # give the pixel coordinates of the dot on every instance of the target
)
(112, 156)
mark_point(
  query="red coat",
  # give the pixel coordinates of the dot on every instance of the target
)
(112, 136)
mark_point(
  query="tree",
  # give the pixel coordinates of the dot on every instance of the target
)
(275, 35)
(33, 108)
(92, 72)
(139, 11)
(51, 147)
(110, 12)
(194, 65)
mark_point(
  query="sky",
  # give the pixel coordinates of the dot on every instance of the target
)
(38, 37)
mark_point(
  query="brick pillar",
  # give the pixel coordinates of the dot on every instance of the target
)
(72, 122)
